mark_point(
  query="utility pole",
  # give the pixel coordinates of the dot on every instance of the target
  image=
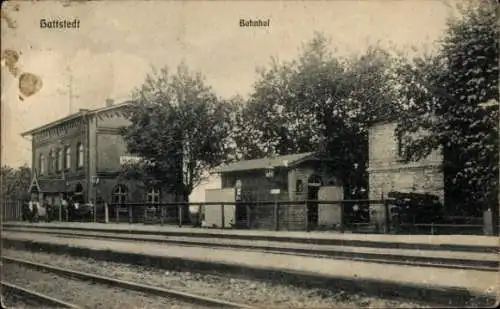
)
(69, 90)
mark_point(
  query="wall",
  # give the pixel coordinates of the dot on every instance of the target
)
(213, 213)
(387, 171)
(198, 195)
(110, 145)
(303, 172)
(109, 149)
(330, 215)
(64, 135)
(255, 180)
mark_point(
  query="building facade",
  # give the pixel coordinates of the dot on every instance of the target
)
(297, 177)
(388, 172)
(79, 157)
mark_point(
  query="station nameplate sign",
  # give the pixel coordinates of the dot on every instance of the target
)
(275, 191)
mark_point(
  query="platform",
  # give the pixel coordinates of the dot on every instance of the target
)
(419, 242)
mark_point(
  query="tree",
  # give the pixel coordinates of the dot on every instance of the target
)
(445, 92)
(179, 128)
(15, 183)
(321, 103)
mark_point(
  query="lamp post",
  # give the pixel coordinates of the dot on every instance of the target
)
(63, 176)
(496, 208)
(274, 191)
(95, 181)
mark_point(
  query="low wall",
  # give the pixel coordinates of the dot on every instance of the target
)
(213, 213)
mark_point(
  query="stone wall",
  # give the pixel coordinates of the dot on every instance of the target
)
(387, 171)
(213, 213)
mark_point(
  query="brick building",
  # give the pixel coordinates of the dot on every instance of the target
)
(80, 156)
(294, 177)
(388, 172)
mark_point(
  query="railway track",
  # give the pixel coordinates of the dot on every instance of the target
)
(127, 285)
(31, 296)
(416, 261)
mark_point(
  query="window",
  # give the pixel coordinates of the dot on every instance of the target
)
(400, 145)
(41, 164)
(79, 156)
(68, 158)
(59, 159)
(119, 195)
(299, 187)
(153, 196)
(52, 159)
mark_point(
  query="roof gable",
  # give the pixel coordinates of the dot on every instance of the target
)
(111, 110)
(263, 163)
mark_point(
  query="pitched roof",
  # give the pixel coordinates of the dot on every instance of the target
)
(76, 115)
(263, 163)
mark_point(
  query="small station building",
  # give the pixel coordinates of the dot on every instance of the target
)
(288, 178)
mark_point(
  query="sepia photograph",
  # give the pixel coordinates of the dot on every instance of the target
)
(250, 154)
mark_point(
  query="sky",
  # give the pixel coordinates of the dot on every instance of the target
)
(119, 42)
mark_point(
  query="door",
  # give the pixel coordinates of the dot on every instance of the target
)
(312, 207)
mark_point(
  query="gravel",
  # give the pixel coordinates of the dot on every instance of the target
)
(252, 292)
(85, 294)
(13, 300)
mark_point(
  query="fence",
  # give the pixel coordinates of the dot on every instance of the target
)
(276, 215)
(12, 211)
(359, 216)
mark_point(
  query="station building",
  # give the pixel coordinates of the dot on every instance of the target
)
(80, 157)
(295, 177)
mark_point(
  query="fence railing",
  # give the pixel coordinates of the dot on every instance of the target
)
(276, 215)
(12, 211)
(369, 216)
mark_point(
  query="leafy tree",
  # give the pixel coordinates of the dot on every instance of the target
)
(179, 128)
(321, 103)
(15, 183)
(445, 93)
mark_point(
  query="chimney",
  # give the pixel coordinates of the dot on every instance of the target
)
(109, 102)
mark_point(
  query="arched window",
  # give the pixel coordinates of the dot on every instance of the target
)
(79, 155)
(68, 158)
(41, 164)
(52, 161)
(299, 186)
(59, 160)
(119, 195)
(78, 195)
(153, 196)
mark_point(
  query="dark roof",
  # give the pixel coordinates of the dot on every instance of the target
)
(263, 163)
(76, 115)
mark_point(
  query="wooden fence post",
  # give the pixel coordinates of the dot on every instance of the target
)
(306, 216)
(180, 215)
(222, 217)
(249, 222)
(342, 224)
(130, 214)
(106, 213)
(276, 215)
(386, 229)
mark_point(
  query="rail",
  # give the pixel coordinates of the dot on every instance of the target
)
(45, 299)
(187, 297)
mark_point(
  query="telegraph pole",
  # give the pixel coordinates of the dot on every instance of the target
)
(69, 90)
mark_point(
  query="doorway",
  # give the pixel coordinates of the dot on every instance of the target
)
(312, 207)
(313, 184)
